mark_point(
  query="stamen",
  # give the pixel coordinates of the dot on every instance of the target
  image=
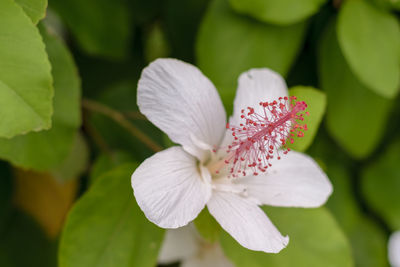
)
(262, 137)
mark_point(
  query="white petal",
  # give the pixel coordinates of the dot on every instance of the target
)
(394, 249)
(179, 244)
(182, 102)
(209, 255)
(246, 222)
(294, 181)
(255, 86)
(169, 188)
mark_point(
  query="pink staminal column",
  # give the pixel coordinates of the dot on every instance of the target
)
(261, 137)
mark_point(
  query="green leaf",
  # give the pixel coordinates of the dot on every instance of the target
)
(48, 149)
(121, 97)
(23, 243)
(381, 185)
(207, 226)
(394, 4)
(229, 44)
(109, 227)
(44, 198)
(342, 202)
(145, 11)
(155, 43)
(281, 12)
(167, 142)
(367, 239)
(316, 105)
(106, 162)
(315, 240)
(101, 27)
(356, 117)
(25, 81)
(182, 19)
(368, 243)
(35, 9)
(383, 4)
(75, 163)
(370, 41)
(387, 5)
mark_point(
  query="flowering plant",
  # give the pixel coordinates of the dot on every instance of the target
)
(210, 168)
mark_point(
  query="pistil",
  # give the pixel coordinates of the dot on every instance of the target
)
(262, 137)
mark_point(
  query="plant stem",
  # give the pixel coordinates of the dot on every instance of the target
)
(119, 118)
(95, 136)
(135, 115)
(337, 3)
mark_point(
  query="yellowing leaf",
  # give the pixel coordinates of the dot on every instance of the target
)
(44, 198)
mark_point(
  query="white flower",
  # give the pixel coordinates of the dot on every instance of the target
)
(185, 245)
(174, 185)
(394, 249)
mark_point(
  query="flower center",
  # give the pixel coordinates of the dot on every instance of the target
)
(261, 137)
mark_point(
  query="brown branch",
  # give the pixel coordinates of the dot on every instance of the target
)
(119, 118)
(96, 137)
(135, 115)
(337, 3)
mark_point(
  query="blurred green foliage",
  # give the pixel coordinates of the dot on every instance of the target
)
(349, 101)
(55, 143)
(382, 193)
(370, 41)
(316, 105)
(36, 10)
(101, 229)
(25, 103)
(341, 56)
(252, 44)
(315, 241)
(96, 33)
(282, 12)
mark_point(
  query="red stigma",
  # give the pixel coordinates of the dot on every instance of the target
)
(261, 136)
